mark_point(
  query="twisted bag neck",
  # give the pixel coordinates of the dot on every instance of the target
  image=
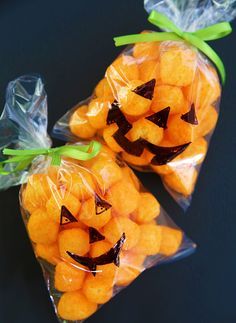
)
(23, 158)
(197, 39)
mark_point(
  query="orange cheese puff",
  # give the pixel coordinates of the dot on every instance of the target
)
(75, 306)
(79, 183)
(207, 119)
(171, 240)
(114, 229)
(75, 241)
(148, 208)
(89, 217)
(37, 192)
(104, 91)
(134, 160)
(205, 89)
(194, 154)
(108, 133)
(148, 70)
(169, 96)
(58, 199)
(146, 129)
(123, 197)
(41, 228)
(182, 179)
(178, 131)
(108, 271)
(122, 70)
(79, 124)
(148, 50)
(150, 240)
(97, 113)
(130, 268)
(128, 174)
(131, 103)
(49, 252)
(178, 65)
(106, 171)
(68, 278)
(97, 289)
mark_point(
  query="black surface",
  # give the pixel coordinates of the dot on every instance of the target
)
(70, 44)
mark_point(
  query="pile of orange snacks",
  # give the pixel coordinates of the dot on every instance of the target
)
(156, 106)
(94, 229)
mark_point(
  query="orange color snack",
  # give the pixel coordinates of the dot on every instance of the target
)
(93, 227)
(165, 92)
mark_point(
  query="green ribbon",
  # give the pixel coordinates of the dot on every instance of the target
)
(197, 39)
(23, 158)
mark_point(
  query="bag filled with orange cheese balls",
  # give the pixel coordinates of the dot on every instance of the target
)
(93, 226)
(158, 102)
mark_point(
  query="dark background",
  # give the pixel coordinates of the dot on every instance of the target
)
(70, 44)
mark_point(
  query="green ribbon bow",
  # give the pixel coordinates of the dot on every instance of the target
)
(197, 38)
(23, 158)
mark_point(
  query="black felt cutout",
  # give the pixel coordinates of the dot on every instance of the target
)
(146, 90)
(66, 216)
(95, 235)
(190, 116)
(101, 205)
(131, 147)
(111, 256)
(160, 118)
(115, 115)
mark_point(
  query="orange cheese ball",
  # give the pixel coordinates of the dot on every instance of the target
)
(104, 91)
(78, 182)
(58, 199)
(179, 131)
(148, 50)
(128, 174)
(68, 278)
(48, 252)
(123, 197)
(79, 124)
(108, 133)
(148, 70)
(126, 274)
(41, 228)
(205, 88)
(169, 96)
(178, 65)
(207, 119)
(89, 217)
(37, 192)
(134, 160)
(132, 259)
(97, 113)
(75, 241)
(150, 240)
(97, 289)
(147, 130)
(108, 271)
(182, 179)
(75, 306)
(122, 70)
(131, 103)
(148, 208)
(106, 172)
(114, 229)
(171, 240)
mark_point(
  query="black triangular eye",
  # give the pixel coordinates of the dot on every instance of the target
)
(101, 205)
(95, 235)
(190, 116)
(146, 90)
(66, 216)
(160, 118)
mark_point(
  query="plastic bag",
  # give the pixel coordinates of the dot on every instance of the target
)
(23, 123)
(94, 229)
(93, 226)
(158, 102)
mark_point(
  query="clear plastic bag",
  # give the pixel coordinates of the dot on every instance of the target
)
(23, 123)
(158, 102)
(93, 226)
(94, 229)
